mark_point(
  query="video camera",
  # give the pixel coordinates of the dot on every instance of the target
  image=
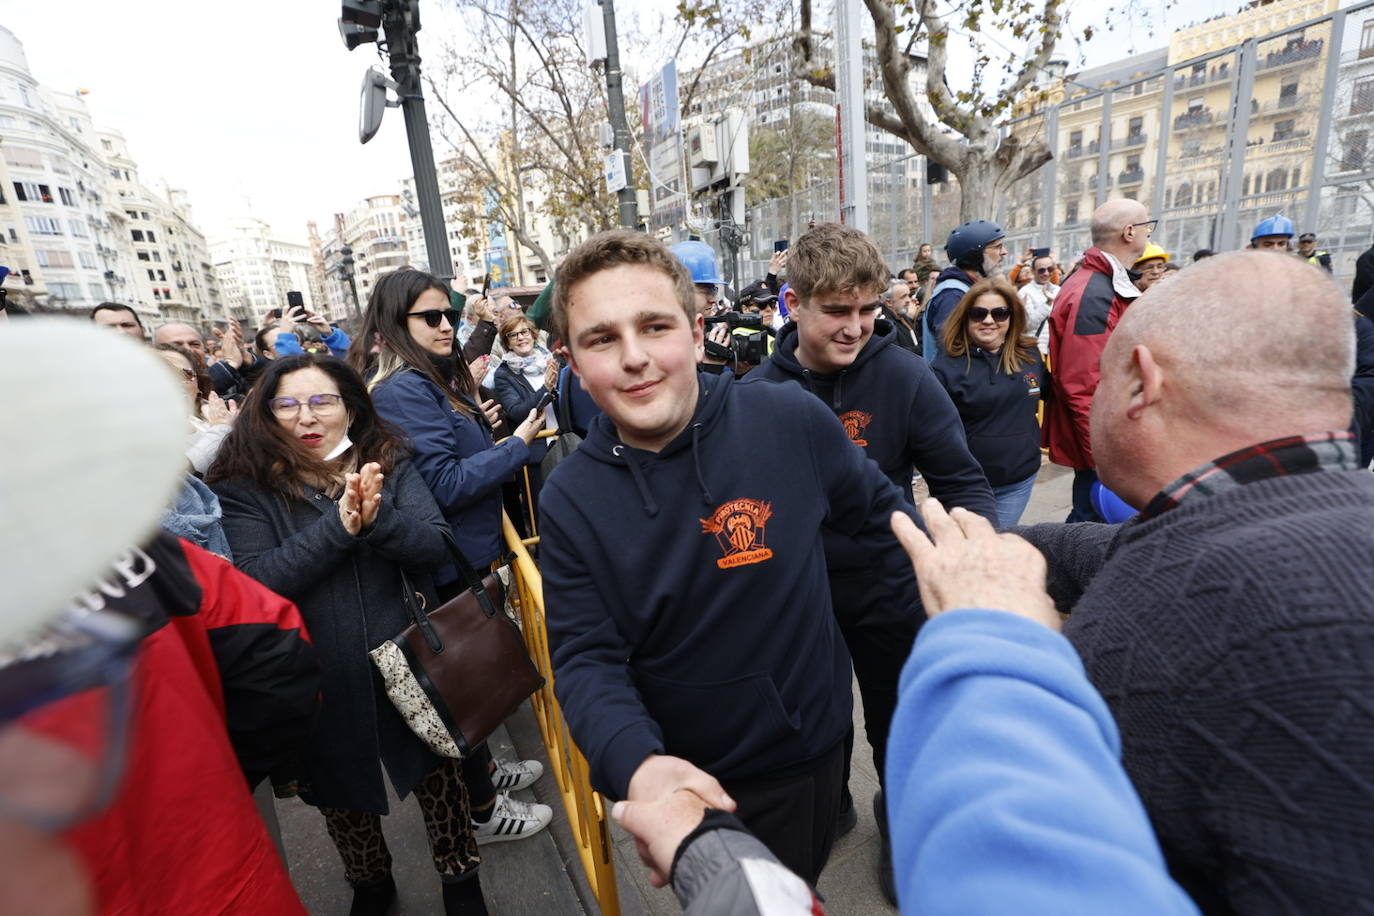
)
(749, 348)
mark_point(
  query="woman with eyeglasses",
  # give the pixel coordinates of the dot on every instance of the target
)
(407, 350)
(208, 416)
(322, 506)
(525, 373)
(995, 375)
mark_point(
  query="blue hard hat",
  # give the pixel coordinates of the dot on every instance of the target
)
(971, 237)
(1274, 225)
(1111, 507)
(700, 261)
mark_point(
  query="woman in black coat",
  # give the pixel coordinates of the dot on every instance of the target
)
(526, 372)
(996, 378)
(321, 506)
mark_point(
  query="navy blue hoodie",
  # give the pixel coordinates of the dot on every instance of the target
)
(688, 607)
(998, 411)
(892, 406)
(942, 306)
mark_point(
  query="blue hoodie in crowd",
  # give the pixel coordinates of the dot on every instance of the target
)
(941, 306)
(688, 607)
(998, 410)
(893, 407)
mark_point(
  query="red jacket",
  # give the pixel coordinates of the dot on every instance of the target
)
(1085, 313)
(225, 681)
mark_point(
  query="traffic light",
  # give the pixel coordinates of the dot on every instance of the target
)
(359, 22)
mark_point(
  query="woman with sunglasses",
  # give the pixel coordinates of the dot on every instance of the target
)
(407, 350)
(996, 377)
(322, 507)
(209, 416)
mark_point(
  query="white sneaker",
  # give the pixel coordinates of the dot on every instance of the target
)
(512, 819)
(513, 775)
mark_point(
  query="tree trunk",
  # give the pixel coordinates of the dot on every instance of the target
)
(978, 191)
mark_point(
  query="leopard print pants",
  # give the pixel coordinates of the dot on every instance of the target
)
(443, 799)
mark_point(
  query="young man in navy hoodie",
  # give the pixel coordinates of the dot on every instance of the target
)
(689, 617)
(893, 407)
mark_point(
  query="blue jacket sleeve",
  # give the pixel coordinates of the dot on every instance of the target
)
(517, 397)
(939, 450)
(1005, 789)
(457, 476)
(287, 344)
(590, 656)
(338, 343)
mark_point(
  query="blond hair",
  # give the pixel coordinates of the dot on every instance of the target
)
(1017, 350)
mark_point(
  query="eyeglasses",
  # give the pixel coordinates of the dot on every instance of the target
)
(1152, 269)
(999, 314)
(432, 317)
(320, 404)
(1044, 270)
(1149, 225)
(520, 334)
(188, 374)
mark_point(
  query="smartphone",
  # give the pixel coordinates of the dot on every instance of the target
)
(271, 314)
(780, 245)
(295, 304)
(1040, 252)
(546, 399)
(486, 284)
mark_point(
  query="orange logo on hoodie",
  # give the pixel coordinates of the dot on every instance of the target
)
(855, 422)
(739, 528)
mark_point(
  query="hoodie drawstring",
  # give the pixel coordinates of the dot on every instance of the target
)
(696, 463)
(836, 391)
(650, 507)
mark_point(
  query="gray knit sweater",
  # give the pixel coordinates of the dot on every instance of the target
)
(1233, 638)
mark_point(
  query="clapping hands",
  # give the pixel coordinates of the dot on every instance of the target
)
(362, 497)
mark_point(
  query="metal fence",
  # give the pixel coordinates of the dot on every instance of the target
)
(1278, 124)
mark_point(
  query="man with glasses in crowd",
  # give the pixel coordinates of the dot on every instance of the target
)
(1085, 312)
(1038, 297)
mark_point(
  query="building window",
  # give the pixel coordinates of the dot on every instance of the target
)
(1356, 144)
(1245, 187)
(1071, 213)
(144, 214)
(1284, 130)
(1135, 126)
(151, 275)
(132, 214)
(1362, 96)
(153, 238)
(87, 259)
(1276, 180)
(157, 256)
(77, 227)
(136, 234)
(143, 256)
(42, 225)
(1183, 197)
(1367, 40)
(162, 275)
(107, 145)
(66, 196)
(1297, 177)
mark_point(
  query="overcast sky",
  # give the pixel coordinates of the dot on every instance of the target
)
(252, 106)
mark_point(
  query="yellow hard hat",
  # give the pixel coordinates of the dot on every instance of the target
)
(1151, 252)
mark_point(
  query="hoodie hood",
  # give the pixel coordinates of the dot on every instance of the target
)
(603, 441)
(785, 358)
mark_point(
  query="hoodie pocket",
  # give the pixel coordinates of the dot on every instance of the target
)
(733, 727)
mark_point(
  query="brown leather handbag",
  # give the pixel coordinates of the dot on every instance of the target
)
(456, 672)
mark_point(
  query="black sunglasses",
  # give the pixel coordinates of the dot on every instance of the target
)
(978, 313)
(432, 317)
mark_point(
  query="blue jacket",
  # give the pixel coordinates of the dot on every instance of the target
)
(457, 458)
(290, 345)
(1362, 386)
(941, 306)
(892, 406)
(518, 397)
(998, 411)
(688, 606)
(1005, 789)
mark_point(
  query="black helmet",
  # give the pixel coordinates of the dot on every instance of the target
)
(969, 240)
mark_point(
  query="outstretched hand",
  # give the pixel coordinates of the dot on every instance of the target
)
(965, 563)
(658, 779)
(659, 827)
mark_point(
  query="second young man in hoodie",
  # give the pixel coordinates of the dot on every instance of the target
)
(893, 407)
(689, 613)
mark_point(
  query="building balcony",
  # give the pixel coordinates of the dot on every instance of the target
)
(1362, 104)
(1131, 176)
(1191, 120)
(1074, 186)
(1283, 105)
(1295, 53)
(1092, 183)
(1219, 74)
(1129, 141)
(1078, 152)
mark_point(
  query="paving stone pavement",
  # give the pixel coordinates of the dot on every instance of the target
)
(542, 875)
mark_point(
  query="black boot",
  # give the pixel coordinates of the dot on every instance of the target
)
(849, 818)
(887, 881)
(464, 898)
(374, 899)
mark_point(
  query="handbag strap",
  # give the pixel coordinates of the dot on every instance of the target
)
(469, 575)
(415, 608)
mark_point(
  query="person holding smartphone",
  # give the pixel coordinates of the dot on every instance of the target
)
(526, 374)
(286, 343)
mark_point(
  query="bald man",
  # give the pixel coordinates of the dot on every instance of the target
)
(224, 374)
(1086, 309)
(1228, 625)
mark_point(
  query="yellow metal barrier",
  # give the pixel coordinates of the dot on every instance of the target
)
(586, 809)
